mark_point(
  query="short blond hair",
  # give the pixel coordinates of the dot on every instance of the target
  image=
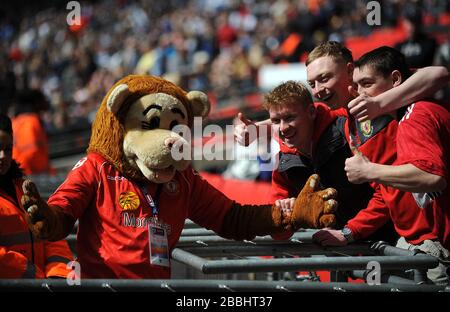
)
(287, 93)
(330, 48)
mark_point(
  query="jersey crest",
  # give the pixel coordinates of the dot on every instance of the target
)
(366, 128)
(172, 187)
(129, 201)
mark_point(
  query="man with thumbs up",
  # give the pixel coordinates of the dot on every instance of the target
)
(422, 142)
(330, 75)
(311, 141)
(329, 70)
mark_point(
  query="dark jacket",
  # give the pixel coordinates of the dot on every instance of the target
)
(329, 161)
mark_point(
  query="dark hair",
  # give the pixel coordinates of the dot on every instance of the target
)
(30, 101)
(413, 13)
(14, 171)
(5, 124)
(385, 60)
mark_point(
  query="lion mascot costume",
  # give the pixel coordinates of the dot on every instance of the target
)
(132, 196)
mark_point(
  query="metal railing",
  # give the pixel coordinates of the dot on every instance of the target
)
(210, 254)
(201, 250)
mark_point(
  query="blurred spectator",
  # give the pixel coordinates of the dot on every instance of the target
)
(216, 46)
(7, 84)
(293, 47)
(443, 58)
(30, 147)
(419, 49)
(225, 33)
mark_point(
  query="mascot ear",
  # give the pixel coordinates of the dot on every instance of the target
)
(117, 97)
(199, 102)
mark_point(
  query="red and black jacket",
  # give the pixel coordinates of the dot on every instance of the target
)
(330, 152)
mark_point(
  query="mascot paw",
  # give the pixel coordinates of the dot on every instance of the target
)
(37, 209)
(313, 207)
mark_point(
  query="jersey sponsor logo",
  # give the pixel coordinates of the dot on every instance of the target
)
(130, 220)
(366, 128)
(129, 201)
(116, 178)
(79, 163)
(172, 187)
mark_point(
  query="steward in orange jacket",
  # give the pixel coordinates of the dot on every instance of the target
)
(30, 147)
(30, 144)
(22, 255)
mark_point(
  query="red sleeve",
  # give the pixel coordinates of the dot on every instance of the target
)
(207, 206)
(368, 220)
(280, 190)
(420, 138)
(77, 191)
(280, 186)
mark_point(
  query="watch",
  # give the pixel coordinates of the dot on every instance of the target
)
(347, 233)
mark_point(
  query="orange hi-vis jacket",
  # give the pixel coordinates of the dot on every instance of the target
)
(22, 255)
(30, 147)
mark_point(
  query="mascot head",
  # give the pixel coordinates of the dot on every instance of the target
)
(135, 126)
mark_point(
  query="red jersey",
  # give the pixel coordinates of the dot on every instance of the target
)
(113, 239)
(409, 220)
(376, 140)
(423, 140)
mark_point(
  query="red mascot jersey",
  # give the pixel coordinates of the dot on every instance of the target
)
(113, 239)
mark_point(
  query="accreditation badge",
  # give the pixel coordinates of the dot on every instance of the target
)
(158, 244)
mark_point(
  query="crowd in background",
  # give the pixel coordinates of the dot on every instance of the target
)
(212, 45)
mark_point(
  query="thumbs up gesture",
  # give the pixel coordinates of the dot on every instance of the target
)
(358, 167)
(313, 207)
(243, 129)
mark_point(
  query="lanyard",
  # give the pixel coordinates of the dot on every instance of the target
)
(152, 202)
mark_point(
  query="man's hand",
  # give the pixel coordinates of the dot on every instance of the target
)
(38, 212)
(329, 237)
(286, 206)
(313, 208)
(364, 107)
(246, 131)
(358, 167)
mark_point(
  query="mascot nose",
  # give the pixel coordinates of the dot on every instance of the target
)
(170, 142)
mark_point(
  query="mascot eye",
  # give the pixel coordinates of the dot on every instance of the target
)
(173, 124)
(153, 124)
